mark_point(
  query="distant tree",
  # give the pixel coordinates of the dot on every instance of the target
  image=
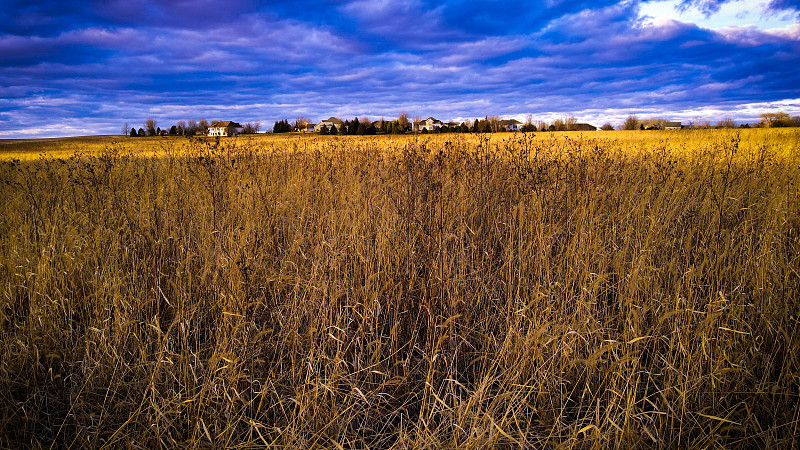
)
(323, 130)
(247, 128)
(191, 128)
(173, 130)
(141, 132)
(570, 123)
(282, 126)
(231, 130)
(744, 125)
(158, 131)
(777, 119)
(528, 126)
(202, 127)
(726, 123)
(180, 128)
(631, 123)
(607, 127)
(333, 130)
(125, 129)
(133, 132)
(150, 126)
(699, 122)
(256, 126)
(403, 123)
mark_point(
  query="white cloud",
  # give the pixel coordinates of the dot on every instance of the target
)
(736, 13)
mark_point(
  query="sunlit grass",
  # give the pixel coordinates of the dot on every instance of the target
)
(566, 289)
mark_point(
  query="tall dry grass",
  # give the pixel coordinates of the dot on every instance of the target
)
(450, 291)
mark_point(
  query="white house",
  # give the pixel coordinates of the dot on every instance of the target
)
(333, 121)
(429, 124)
(511, 125)
(672, 126)
(224, 128)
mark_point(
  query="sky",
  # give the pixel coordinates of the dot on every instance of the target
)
(84, 68)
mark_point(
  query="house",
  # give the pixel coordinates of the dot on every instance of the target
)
(511, 125)
(333, 121)
(224, 128)
(429, 124)
(672, 126)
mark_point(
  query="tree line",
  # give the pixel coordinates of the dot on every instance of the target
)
(181, 128)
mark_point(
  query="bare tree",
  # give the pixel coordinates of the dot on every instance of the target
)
(202, 126)
(402, 121)
(726, 123)
(607, 127)
(300, 123)
(631, 123)
(181, 127)
(769, 119)
(570, 122)
(256, 126)
(191, 127)
(150, 126)
(126, 129)
(699, 122)
(494, 123)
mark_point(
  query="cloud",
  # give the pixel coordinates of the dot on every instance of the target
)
(93, 67)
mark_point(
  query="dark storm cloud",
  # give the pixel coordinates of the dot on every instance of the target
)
(86, 67)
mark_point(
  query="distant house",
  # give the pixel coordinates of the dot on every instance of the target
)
(224, 128)
(511, 125)
(672, 126)
(429, 124)
(333, 121)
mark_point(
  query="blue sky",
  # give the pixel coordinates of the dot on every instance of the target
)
(75, 68)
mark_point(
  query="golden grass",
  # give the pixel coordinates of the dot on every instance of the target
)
(570, 290)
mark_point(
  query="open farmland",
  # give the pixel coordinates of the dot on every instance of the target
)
(574, 290)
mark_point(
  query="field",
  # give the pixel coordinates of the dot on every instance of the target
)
(572, 290)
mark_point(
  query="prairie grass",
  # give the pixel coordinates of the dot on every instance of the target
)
(565, 290)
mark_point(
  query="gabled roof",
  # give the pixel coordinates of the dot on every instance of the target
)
(510, 122)
(334, 120)
(225, 124)
(672, 124)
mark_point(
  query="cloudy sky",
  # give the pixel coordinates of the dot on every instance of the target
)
(74, 68)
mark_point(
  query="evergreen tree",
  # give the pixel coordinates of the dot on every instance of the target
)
(333, 130)
(133, 132)
(323, 130)
(141, 132)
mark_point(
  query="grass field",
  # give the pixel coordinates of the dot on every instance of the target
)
(575, 290)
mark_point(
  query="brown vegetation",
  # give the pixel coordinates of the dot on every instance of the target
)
(405, 292)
